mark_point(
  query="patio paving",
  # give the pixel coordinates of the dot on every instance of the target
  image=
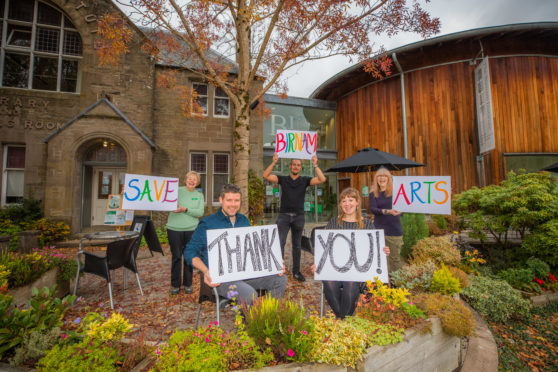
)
(158, 313)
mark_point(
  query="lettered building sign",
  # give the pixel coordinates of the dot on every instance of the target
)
(350, 255)
(431, 195)
(243, 253)
(150, 193)
(296, 144)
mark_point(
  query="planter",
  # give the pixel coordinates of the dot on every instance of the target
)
(541, 299)
(430, 351)
(28, 240)
(22, 295)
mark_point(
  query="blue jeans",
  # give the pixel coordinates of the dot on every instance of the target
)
(286, 222)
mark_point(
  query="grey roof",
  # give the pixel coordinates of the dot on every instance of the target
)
(299, 101)
(115, 109)
(174, 59)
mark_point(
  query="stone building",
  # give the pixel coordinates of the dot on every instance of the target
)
(70, 129)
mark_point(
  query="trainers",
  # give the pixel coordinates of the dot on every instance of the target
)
(175, 290)
(188, 289)
(298, 276)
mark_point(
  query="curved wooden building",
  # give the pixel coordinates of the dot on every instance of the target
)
(472, 104)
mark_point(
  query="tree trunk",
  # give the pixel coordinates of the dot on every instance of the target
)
(241, 148)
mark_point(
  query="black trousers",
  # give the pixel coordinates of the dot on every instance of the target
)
(286, 222)
(177, 242)
(342, 302)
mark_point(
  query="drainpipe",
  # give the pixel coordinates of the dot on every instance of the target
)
(403, 105)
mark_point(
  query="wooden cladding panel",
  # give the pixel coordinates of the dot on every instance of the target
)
(441, 123)
(525, 108)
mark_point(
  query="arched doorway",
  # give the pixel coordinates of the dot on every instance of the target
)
(104, 166)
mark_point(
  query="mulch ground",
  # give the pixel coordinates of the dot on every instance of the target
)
(157, 313)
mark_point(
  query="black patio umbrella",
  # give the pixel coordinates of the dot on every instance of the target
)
(551, 168)
(370, 159)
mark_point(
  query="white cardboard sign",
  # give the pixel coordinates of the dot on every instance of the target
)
(150, 193)
(350, 255)
(296, 144)
(422, 194)
(243, 253)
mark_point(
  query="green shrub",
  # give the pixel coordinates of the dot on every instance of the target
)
(542, 242)
(98, 349)
(281, 324)
(521, 279)
(416, 277)
(456, 318)
(443, 282)
(51, 231)
(28, 210)
(540, 268)
(376, 334)
(210, 349)
(45, 312)
(440, 222)
(414, 228)
(438, 249)
(495, 299)
(336, 342)
(34, 346)
(8, 228)
(524, 203)
(256, 197)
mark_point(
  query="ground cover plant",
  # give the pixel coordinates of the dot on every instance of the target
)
(529, 343)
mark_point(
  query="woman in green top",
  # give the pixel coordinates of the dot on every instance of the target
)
(180, 226)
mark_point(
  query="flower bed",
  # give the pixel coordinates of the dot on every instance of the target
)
(22, 294)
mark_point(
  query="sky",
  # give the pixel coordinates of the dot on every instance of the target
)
(455, 16)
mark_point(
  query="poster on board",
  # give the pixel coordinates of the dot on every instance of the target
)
(350, 255)
(296, 144)
(243, 253)
(422, 194)
(150, 193)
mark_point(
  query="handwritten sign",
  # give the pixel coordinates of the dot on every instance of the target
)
(350, 255)
(150, 193)
(422, 194)
(243, 253)
(296, 144)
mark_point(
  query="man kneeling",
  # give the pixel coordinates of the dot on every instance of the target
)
(196, 254)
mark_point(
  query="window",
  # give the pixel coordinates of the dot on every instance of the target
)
(221, 103)
(12, 180)
(39, 51)
(220, 174)
(198, 163)
(201, 90)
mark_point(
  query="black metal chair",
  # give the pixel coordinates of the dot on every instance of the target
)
(119, 254)
(208, 293)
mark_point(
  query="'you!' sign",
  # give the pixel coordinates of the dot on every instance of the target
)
(150, 193)
(296, 144)
(350, 255)
(430, 194)
(243, 253)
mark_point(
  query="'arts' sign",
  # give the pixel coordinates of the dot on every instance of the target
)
(350, 255)
(150, 193)
(296, 144)
(243, 253)
(430, 194)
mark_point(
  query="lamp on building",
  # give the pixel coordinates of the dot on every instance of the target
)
(105, 143)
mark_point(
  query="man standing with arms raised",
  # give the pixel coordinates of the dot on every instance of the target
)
(291, 211)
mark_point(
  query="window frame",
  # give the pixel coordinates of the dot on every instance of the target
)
(204, 187)
(206, 95)
(5, 170)
(225, 97)
(31, 52)
(214, 173)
